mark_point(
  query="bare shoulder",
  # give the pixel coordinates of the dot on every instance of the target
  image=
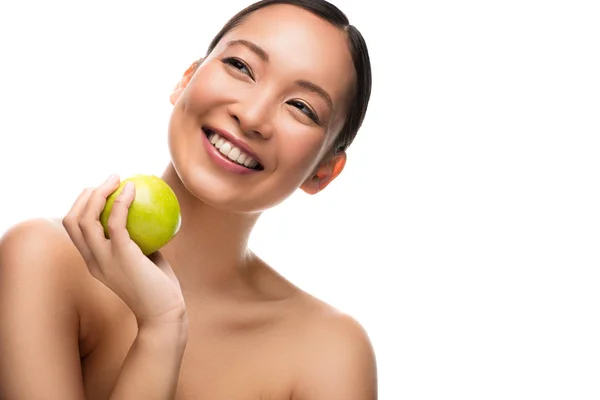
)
(22, 232)
(331, 351)
(39, 246)
(33, 232)
(40, 239)
(39, 252)
(338, 359)
(39, 316)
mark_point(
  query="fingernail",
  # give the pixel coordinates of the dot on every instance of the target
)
(111, 178)
(128, 188)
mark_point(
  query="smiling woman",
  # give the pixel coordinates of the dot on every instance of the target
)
(270, 109)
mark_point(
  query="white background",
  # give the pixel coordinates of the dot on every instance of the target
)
(464, 233)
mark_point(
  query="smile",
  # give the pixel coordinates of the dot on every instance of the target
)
(231, 152)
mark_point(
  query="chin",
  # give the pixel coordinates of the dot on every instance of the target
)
(228, 195)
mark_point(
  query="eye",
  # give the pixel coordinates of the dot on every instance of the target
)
(305, 109)
(239, 65)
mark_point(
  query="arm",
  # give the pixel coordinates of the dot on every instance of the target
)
(340, 365)
(39, 325)
(151, 369)
(147, 285)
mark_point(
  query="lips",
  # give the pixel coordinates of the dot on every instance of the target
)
(232, 149)
(234, 141)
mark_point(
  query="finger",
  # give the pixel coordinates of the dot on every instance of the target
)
(117, 221)
(71, 225)
(89, 222)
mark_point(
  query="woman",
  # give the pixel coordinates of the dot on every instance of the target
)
(272, 108)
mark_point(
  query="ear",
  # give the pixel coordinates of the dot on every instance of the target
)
(325, 174)
(185, 79)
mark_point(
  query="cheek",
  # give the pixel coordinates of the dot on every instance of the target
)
(299, 148)
(210, 85)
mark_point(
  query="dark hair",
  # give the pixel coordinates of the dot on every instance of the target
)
(358, 48)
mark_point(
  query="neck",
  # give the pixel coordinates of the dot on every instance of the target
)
(210, 251)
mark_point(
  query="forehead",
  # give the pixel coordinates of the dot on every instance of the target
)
(301, 44)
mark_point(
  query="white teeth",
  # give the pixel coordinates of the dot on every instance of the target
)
(231, 152)
(225, 148)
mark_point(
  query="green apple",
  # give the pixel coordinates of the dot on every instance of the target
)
(154, 215)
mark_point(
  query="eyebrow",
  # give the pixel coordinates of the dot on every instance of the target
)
(302, 83)
(255, 48)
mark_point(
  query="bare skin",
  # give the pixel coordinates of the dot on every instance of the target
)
(287, 345)
(83, 317)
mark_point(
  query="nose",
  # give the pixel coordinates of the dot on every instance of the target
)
(254, 115)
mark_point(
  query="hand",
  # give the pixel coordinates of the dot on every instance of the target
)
(146, 284)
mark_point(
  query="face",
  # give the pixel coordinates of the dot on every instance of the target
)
(256, 119)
